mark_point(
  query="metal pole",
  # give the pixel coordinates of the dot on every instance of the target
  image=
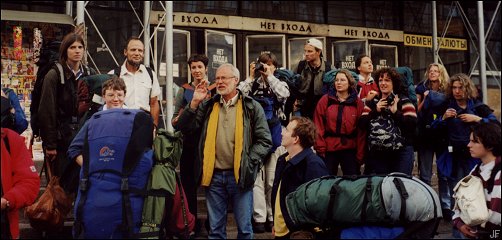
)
(435, 49)
(69, 9)
(146, 35)
(80, 12)
(482, 52)
(169, 64)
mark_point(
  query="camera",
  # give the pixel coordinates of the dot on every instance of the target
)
(257, 68)
(390, 98)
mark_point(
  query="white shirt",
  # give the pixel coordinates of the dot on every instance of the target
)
(139, 87)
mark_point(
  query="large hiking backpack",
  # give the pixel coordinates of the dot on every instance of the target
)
(117, 162)
(293, 80)
(271, 105)
(165, 210)
(348, 201)
(408, 86)
(36, 94)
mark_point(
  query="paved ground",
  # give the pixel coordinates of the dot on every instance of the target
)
(26, 232)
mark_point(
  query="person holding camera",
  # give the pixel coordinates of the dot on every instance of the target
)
(390, 120)
(272, 94)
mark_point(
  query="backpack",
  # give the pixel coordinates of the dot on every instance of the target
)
(118, 158)
(384, 134)
(329, 79)
(408, 86)
(20, 122)
(270, 104)
(94, 85)
(293, 80)
(165, 210)
(338, 202)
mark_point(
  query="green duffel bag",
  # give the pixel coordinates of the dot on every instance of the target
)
(343, 199)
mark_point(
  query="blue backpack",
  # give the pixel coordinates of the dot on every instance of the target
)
(118, 158)
(270, 105)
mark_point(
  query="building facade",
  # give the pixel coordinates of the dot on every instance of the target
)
(392, 33)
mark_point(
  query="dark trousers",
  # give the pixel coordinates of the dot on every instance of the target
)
(345, 158)
(187, 173)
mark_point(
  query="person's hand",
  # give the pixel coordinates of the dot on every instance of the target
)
(469, 117)
(450, 113)
(467, 231)
(267, 72)
(251, 70)
(4, 203)
(371, 95)
(393, 108)
(51, 154)
(199, 94)
(381, 105)
(79, 159)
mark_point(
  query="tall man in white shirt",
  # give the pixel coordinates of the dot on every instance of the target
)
(142, 90)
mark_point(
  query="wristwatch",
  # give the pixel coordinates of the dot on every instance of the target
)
(7, 204)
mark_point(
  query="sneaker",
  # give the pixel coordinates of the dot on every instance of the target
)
(259, 227)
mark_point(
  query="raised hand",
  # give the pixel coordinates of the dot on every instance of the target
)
(200, 93)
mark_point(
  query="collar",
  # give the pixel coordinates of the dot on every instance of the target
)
(300, 156)
(370, 81)
(232, 101)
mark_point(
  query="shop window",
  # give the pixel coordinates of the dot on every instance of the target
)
(258, 44)
(295, 50)
(346, 52)
(220, 49)
(383, 55)
(181, 50)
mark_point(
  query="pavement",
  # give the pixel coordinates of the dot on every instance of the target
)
(27, 232)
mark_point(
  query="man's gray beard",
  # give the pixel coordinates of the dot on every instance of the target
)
(132, 63)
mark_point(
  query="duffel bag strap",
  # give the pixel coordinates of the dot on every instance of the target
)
(366, 199)
(404, 195)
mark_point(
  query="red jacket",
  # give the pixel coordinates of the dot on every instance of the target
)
(326, 119)
(20, 181)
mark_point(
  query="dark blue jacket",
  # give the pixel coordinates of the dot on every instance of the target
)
(20, 123)
(458, 131)
(300, 169)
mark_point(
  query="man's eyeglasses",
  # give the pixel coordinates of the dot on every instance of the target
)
(223, 78)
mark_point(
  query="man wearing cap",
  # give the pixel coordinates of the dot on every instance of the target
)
(312, 70)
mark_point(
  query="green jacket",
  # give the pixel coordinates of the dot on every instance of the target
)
(257, 137)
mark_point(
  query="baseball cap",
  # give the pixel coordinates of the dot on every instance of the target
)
(315, 43)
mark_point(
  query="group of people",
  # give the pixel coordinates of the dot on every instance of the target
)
(243, 147)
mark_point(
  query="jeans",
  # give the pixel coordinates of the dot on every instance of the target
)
(221, 191)
(425, 160)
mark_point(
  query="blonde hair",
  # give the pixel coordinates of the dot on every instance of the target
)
(470, 90)
(443, 76)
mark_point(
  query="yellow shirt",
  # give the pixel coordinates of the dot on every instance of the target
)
(280, 227)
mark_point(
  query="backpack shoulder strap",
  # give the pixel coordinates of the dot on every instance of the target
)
(301, 66)
(59, 69)
(117, 70)
(150, 72)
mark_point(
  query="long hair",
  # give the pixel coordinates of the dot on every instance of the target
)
(68, 40)
(397, 87)
(470, 90)
(443, 76)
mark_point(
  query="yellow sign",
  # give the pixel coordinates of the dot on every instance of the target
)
(426, 41)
